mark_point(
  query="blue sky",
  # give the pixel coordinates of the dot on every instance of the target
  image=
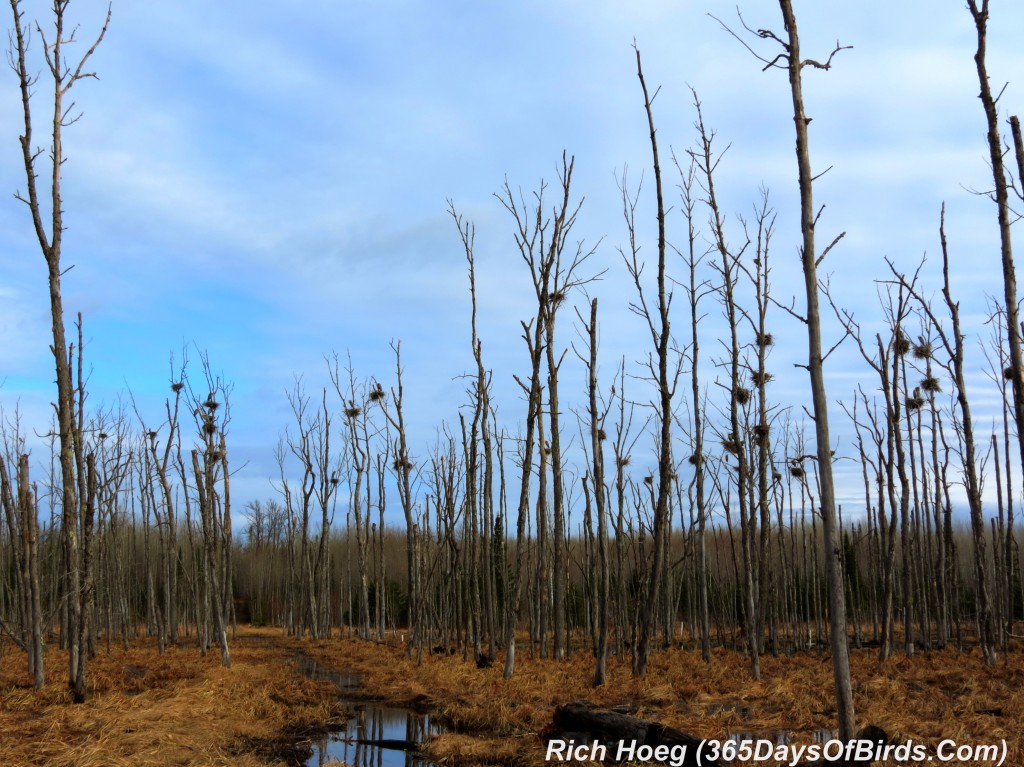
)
(268, 183)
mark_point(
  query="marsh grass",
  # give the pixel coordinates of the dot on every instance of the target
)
(941, 694)
(179, 708)
(183, 709)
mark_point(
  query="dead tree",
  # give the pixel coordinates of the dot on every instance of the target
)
(1001, 196)
(541, 241)
(479, 490)
(358, 461)
(158, 461)
(49, 230)
(695, 292)
(791, 61)
(18, 501)
(953, 343)
(664, 373)
(310, 445)
(734, 440)
(403, 468)
(213, 499)
(596, 419)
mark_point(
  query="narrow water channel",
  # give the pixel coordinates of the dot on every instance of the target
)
(375, 735)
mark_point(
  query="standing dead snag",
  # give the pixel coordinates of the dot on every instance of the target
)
(541, 241)
(790, 60)
(657, 319)
(403, 467)
(50, 237)
(989, 102)
(311, 446)
(479, 490)
(213, 497)
(954, 348)
(595, 422)
(18, 502)
(815, 364)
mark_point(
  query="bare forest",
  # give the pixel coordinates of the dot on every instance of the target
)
(612, 517)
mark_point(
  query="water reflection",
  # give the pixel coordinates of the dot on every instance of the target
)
(376, 736)
(312, 669)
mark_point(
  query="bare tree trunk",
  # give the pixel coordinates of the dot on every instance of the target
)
(955, 350)
(980, 14)
(403, 470)
(597, 437)
(30, 522)
(819, 397)
(657, 319)
(64, 77)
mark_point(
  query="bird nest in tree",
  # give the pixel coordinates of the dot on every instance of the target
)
(762, 432)
(761, 378)
(353, 411)
(732, 445)
(741, 395)
(931, 384)
(915, 402)
(177, 386)
(376, 395)
(923, 350)
(764, 340)
(901, 344)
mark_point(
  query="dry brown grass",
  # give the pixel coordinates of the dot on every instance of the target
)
(942, 694)
(175, 709)
(182, 709)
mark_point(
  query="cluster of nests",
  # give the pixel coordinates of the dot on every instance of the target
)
(375, 395)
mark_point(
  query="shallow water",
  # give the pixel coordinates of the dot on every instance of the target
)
(374, 722)
(375, 735)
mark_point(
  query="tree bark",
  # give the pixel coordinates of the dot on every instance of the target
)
(819, 396)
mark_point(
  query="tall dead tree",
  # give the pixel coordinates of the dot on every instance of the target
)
(1001, 195)
(358, 462)
(595, 422)
(403, 468)
(791, 61)
(480, 511)
(213, 499)
(810, 260)
(18, 501)
(956, 366)
(541, 241)
(48, 224)
(664, 376)
(695, 292)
